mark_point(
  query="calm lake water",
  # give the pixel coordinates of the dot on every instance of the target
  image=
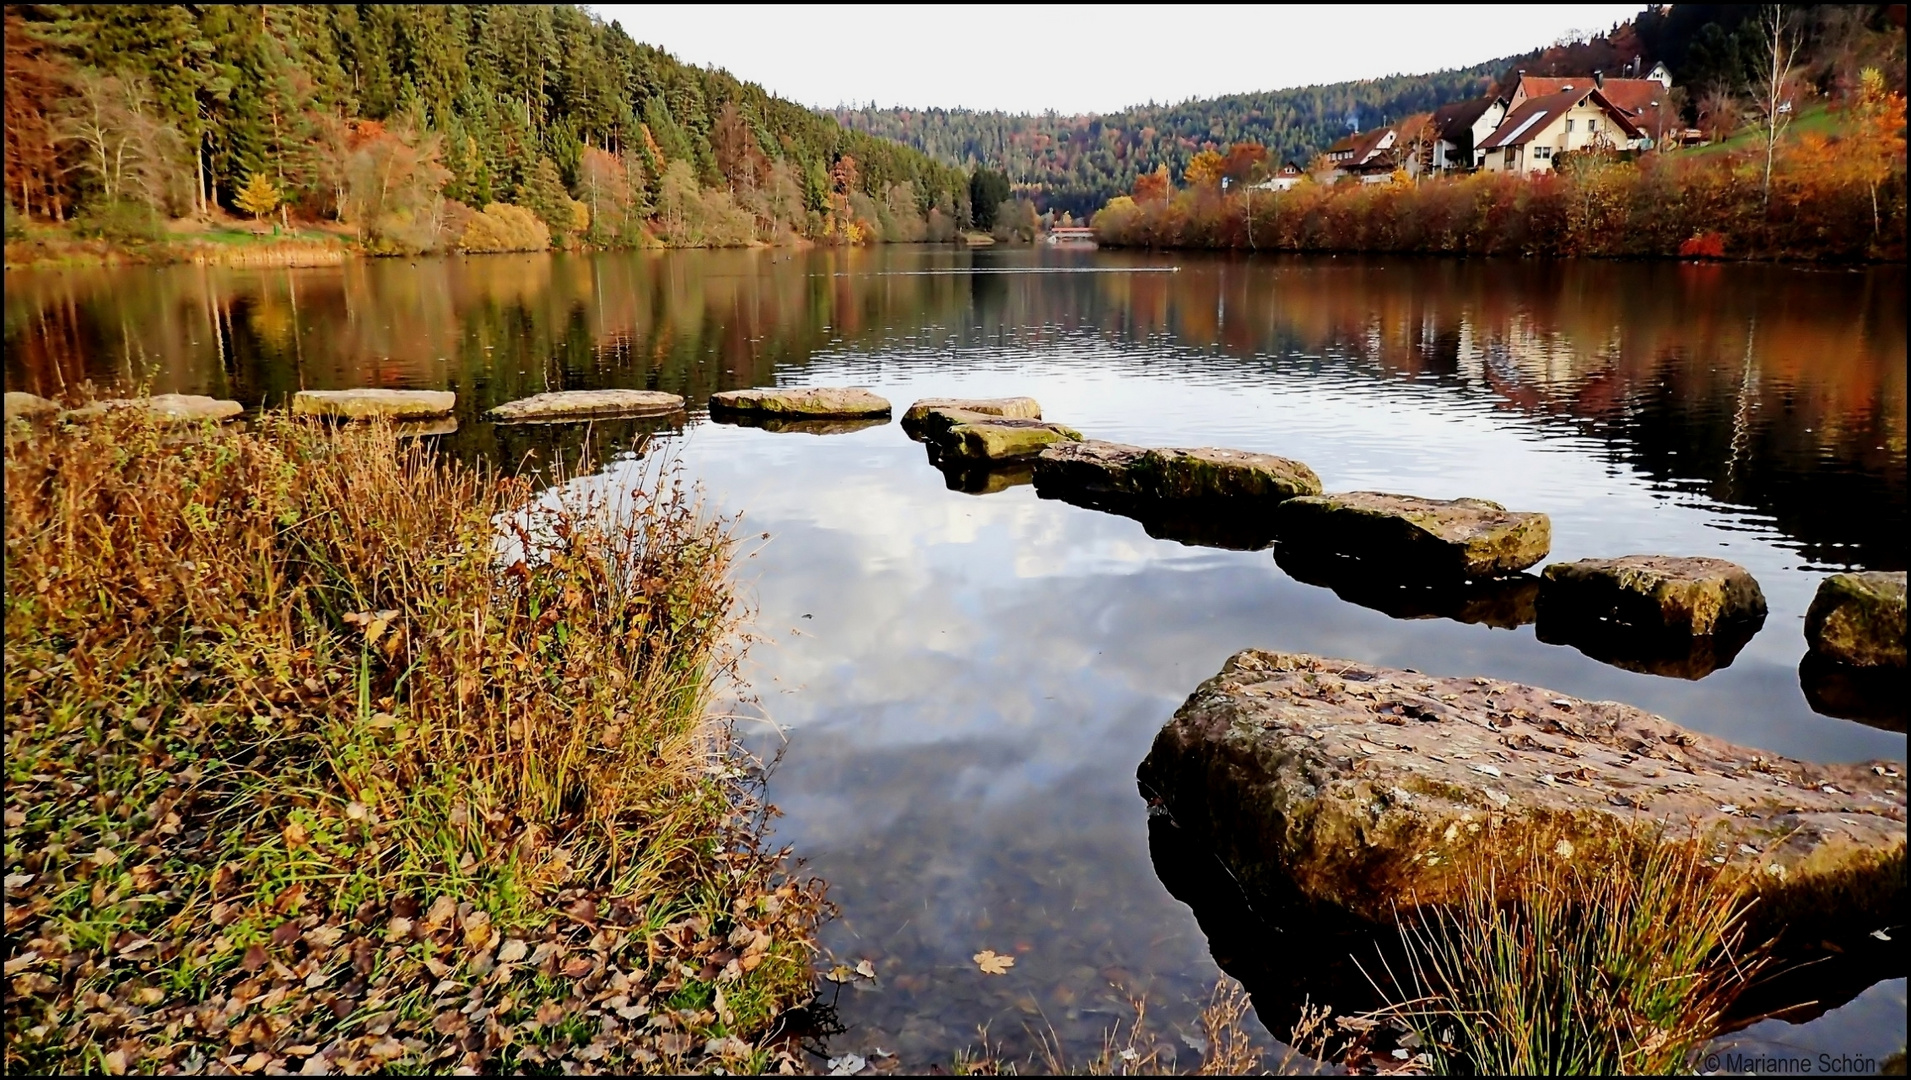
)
(965, 682)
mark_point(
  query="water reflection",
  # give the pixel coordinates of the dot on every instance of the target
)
(966, 684)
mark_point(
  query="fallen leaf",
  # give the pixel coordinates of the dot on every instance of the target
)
(295, 835)
(847, 1065)
(512, 952)
(993, 963)
(866, 969)
(254, 958)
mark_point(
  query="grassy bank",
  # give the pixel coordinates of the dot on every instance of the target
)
(301, 777)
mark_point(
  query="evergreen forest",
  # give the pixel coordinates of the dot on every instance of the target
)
(419, 127)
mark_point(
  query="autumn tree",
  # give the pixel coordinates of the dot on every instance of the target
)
(1205, 170)
(739, 159)
(259, 196)
(1877, 143)
(1246, 163)
(392, 181)
(1154, 186)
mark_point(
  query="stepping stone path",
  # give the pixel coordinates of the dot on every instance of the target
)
(1655, 593)
(365, 404)
(1401, 535)
(584, 404)
(931, 414)
(170, 408)
(1364, 786)
(979, 438)
(1859, 619)
(802, 402)
(1093, 467)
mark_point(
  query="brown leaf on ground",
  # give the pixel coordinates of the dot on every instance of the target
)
(993, 963)
(254, 958)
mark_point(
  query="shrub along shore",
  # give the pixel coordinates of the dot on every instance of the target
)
(302, 777)
(1820, 199)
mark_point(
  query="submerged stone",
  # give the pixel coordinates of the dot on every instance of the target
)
(367, 403)
(1403, 535)
(800, 426)
(985, 478)
(1670, 654)
(170, 408)
(1504, 602)
(987, 438)
(1361, 788)
(793, 402)
(1877, 696)
(1859, 619)
(29, 408)
(1089, 467)
(1660, 594)
(927, 413)
(561, 405)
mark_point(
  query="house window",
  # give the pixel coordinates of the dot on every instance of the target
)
(1510, 151)
(1542, 153)
(1592, 126)
(1569, 127)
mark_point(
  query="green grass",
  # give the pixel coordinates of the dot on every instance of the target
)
(296, 768)
(1816, 120)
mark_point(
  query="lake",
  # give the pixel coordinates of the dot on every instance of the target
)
(957, 685)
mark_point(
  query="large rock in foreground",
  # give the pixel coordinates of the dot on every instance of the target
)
(1172, 473)
(167, 408)
(924, 414)
(366, 404)
(1654, 594)
(1363, 788)
(980, 438)
(560, 405)
(1405, 535)
(802, 402)
(29, 408)
(1859, 619)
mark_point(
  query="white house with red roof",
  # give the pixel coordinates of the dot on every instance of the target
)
(1538, 129)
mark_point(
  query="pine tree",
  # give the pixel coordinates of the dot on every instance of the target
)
(258, 197)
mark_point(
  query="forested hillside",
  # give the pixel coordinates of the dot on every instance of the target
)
(404, 121)
(1078, 163)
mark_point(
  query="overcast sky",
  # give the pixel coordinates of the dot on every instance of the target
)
(1029, 58)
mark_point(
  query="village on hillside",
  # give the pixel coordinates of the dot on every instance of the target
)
(1522, 132)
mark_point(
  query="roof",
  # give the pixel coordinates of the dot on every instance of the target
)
(1632, 95)
(1453, 120)
(1534, 115)
(1362, 143)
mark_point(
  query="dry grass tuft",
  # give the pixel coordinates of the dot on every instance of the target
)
(1623, 963)
(302, 774)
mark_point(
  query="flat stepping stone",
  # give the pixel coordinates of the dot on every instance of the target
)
(167, 408)
(584, 404)
(1365, 787)
(1859, 619)
(1172, 473)
(981, 438)
(1660, 594)
(802, 402)
(1405, 535)
(929, 414)
(364, 404)
(29, 408)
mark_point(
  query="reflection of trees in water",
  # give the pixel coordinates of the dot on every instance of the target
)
(1800, 419)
